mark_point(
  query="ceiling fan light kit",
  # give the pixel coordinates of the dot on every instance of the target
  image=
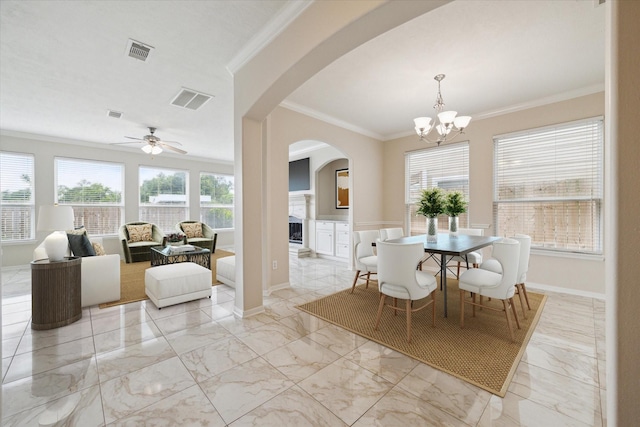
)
(450, 124)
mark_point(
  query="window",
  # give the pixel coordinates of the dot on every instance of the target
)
(95, 190)
(447, 167)
(164, 199)
(548, 184)
(216, 200)
(18, 202)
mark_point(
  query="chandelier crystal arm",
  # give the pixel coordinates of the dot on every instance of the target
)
(449, 125)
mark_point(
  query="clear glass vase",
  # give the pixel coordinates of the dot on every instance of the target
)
(453, 226)
(432, 230)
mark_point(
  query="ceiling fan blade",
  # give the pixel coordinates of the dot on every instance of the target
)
(171, 142)
(131, 137)
(126, 142)
(169, 147)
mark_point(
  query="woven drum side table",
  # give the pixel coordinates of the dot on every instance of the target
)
(55, 293)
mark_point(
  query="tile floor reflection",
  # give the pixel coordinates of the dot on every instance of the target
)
(196, 364)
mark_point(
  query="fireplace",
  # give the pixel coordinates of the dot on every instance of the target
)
(295, 230)
(299, 225)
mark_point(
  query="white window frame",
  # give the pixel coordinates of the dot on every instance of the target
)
(206, 203)
(18, 217)
(549, 181)
(168, 209)
(435, 169)
(100, 218)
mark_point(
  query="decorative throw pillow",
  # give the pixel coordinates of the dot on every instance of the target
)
(80, 245)
(79, 230)
(98, 249)
(139, 233)
(192, 229)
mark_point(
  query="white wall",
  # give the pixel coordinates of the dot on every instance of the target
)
(571, 274)
(45, 149)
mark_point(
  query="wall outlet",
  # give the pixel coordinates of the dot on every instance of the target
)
(275, 265)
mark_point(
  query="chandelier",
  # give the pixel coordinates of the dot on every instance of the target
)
(449, 127)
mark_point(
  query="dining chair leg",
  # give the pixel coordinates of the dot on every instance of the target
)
(408, 308)
(458, 271)
(473, 307)
(515, 313)
(461, 308)
(506, 313)
(368, 277)
(380, 307)
(480, 302)
(520, 294)
(526, 297)
(355, 281)
(395, 305)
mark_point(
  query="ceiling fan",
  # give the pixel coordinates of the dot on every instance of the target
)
(153, 144)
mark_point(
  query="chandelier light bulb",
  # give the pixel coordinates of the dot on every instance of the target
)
(461, 122)
(447, 117)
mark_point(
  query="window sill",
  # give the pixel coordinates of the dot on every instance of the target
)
(572, 255)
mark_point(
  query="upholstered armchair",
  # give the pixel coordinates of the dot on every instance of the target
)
(198, 234)
(137, 238)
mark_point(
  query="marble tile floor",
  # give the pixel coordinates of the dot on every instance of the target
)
(195, 364)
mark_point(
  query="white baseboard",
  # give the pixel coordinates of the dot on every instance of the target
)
(248, 313)
(277, 287)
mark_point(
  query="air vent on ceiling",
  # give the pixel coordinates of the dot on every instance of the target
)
(138, 50)
(114, 114)
(191, 99)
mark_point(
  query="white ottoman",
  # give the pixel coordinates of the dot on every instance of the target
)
(175, 283)
(226, 270)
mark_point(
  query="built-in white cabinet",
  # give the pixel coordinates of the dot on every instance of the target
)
(342, 240)
(332, 238)
(325, 237)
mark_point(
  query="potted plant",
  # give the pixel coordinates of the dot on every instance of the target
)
(431, 204)
(454, 205)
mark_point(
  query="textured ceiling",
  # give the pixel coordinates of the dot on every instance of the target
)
(63, 65)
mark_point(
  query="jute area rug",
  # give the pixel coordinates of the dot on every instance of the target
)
(482, 353)
(132, 279)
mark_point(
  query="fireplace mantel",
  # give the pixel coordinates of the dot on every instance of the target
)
(299, 208)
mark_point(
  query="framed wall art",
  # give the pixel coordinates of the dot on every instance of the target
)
(342, 189)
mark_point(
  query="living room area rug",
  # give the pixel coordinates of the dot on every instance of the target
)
(481, 353)
(132, 279)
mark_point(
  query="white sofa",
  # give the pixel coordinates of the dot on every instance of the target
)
(100, 280)
(226, 270)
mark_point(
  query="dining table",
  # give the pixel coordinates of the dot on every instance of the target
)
(448, 246)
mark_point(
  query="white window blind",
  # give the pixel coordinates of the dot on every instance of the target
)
(216, 200)
(549, 183)
(447, 167)
(95, 190)
(164, 197)
(18, 202)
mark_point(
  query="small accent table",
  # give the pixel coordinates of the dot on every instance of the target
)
(163, 256)
(55, 293)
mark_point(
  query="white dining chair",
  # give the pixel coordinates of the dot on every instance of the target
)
(498, 285)
(399, 278)
(391, 233)
(366, 261)
(472, 258)
(523, 267)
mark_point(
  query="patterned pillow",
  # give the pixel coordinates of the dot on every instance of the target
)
(192, 229)
(140, 233)
(79, 230)
(98, 249)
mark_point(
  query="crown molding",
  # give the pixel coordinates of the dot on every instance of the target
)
(268, 33)
(329, 119)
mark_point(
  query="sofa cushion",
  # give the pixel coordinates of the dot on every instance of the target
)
(139, 233)
(192, 229)
(80, 245)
